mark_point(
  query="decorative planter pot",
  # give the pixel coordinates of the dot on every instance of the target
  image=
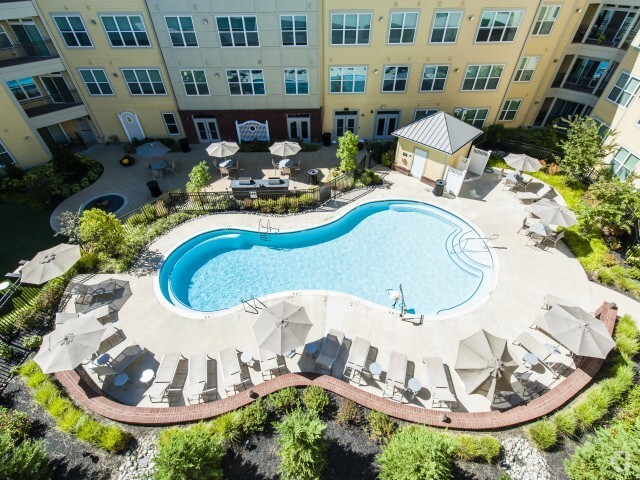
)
(127, 161)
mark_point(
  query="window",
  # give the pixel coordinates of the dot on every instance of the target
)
(96, 81)
(624, 90)
(395, 79)
(525, 69)
(5, 41)
(499, 26)
(546, 18)
(509, 110)
(423, 113)
(171, 123)
(434, 78)
(623, 163)
(296, 81)
(350, 28)
(402, 28)
(474, 116)
(294, 30)
(238, 31)
(195, 82)
(144, 81)
(564, 108)
(5, 156)
(587, 72)
(245, 82)
(348, 79)
(72, 31)
(445, 27)
(181, 31)
(24, 88)
(482, 77)
(125, 30)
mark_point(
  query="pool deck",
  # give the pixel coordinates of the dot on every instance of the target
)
(525, 275)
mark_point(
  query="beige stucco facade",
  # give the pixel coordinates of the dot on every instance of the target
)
(436, 162)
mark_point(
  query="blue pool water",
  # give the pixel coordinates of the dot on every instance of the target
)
(375, 247)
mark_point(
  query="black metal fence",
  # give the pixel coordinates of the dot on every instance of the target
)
(511, 146)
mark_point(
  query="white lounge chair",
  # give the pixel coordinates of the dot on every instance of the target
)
(357, 358)
(396, 376)
(164, 383)
(117, 365)
(531, 196)
(547, 356)
(329, 351)
(232, 375)
(441, 392)
(271, 365)
(198, 386)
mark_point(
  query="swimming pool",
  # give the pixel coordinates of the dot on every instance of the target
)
(435, 256)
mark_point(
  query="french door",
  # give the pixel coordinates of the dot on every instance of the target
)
(346, 121)
(207, 129)
(299, 127)
(386, 123)
(28, 34)
(57, 88)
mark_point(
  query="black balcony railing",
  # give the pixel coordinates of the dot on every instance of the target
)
(608, 37)
(27, 52)
(51, 103)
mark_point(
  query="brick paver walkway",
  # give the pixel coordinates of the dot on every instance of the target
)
(88, 395)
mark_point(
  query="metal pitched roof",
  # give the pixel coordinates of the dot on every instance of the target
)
(440, 131)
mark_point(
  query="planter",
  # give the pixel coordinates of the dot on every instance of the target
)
(360, 145)
(127, 161)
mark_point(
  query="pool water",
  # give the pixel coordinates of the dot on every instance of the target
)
(373, 248)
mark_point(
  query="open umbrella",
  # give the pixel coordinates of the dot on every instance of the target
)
(282, 327)
(69, 344)
(50, 264)
(111, 292)
(222, 149)
(284, 149)
(152, 149)
(484, 364)
(579, 331)
(553, 213)
(522, 162)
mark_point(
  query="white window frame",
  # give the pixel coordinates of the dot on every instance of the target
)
(95, 80)
(395, 79)
(475, 79)
(25, 91)
(548, 14)
(427, 114)
(465, 111)
(446, 27)
(72, 31)
(166, 124)
(493, 26)
(119, 32)
(296, 72)
(195, 83)
(6, 36)
(621, 165)
(437, 68)
(294, 30)
(147, 70)
(181, 31)
(522, 68)
(357, 29)
(342, 69)
(623, 90)
(253, 83)
(4, 150)
(508, 108)
(403, 28)
(244, 31)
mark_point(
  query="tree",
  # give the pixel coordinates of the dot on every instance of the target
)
(607, 204)
(347, 151)
(584, 148)
(199, 177)
(24, 459)
(101, 232)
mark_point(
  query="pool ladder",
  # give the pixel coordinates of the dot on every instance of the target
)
(253, 305)
(264, 230)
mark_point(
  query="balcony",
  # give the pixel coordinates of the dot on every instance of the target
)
(27, 52)
(51, 103)
(607, 37)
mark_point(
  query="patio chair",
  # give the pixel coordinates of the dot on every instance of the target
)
(547, 356)
(276, 167)
(357, 358)
(531, 196)
(157, 175)
(198, 386)
(224, 171)
(394, 386)
(232, 375)
(271, 365)
(553, 239)
(173, 168)
(524, 184)
(148, 164)
(525, 225)
(165, 385)
(329, 351)
(441, 393)
(296, 167)
(285, 171)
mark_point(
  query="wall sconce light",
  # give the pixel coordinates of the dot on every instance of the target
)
(27, 137)
(470, 17)
(578, 10)
(555, 60)
(380, 18)
(457, 70)
(93, 22)
(115, 74)
(205, 21)
(536, 102)
(217, 75)
(375, 71)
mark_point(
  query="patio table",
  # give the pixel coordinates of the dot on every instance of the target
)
(158, 165)
(531, 359)
(541, 229)
(120, 379)
(375, 368)
(228, 163)
(414, 385)
(515, 178)
(286, 163)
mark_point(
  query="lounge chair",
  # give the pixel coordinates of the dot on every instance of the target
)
(357, 358)
(329, 351)
(166, 377)
(232, 375)
(551, 301)
(522, 184)
(547, 356)
(441, 393)
(271, 365)
(199, 388)
(531, 196)
(396, 376)
(117, 365)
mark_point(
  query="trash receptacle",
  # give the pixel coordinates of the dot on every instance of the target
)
(438, 190)
(313, 176)
(184, 145)
(326, 139)
(154, 188)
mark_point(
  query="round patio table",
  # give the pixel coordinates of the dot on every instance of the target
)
(120, 379)
(541, 229)
(4, 285)
(285, 163)
(158, 165)
(414, 385)
(228, 163)
(531, 359)
(376, 369)
(246, 358)
(147, 375)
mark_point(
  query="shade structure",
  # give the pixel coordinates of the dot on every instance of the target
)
(579, 331)
(50, 264)
(69, 344)
(523, 162)
(282, 327)
(284, 149)
(222, 149)
(552, 213)
(485, 364)
(111, 292)
(152, 149)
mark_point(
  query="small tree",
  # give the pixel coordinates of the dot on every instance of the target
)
(199, 177)
(69, 225)
(584, 148)
(347, 151)
(101, 232)
(302, 446)
(607, 204)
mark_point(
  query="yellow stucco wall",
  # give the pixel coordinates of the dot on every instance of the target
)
(436, 160)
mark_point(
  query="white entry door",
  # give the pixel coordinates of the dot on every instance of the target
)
(386, 123)
(299, 128)
(346, 121)
(207, 129)
(131, 126)
(419, 161)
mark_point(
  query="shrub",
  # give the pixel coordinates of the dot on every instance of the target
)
(303, 447)
(8, 352)
(186, 454)
(253, 417)
(58, 406)
(626, 337)
(32, 342)
(349, 413)
(388, 158)
(26, 460)
(113, 439)
(36, 379)
(544, 434)
(226, 427)
(27, 318)
(101, 232)
(315, 399)
(366, 178)
(607, 203)
(380, 426)
(199, 177)
(592, 408)
(477, 447)
(347, 151)
(284, 400)
(14, 423)
(417, 453)
(566, 423)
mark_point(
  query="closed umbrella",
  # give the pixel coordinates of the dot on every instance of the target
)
(284, 149)
(522, 162)
(553, 213)
(579, 331)
(50, 264)
(282, 327)
(484, 364)
(152, 149)
(222, 149)
(69, 344)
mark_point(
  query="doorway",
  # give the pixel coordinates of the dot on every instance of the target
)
(346, 121)
(131, 126)
(386, 124)
(419, 161)
(299, 126)
(207, 129)
(54, 135)
(84, 131)
(57, 88)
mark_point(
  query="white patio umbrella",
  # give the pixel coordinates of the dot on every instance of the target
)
(284, 149)
(522, 162)
(69, 344)
(579, 331)
(484, 364)
(282, 327)
(553, 213)
(152, 149)
(50, 264)
(222, 149)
